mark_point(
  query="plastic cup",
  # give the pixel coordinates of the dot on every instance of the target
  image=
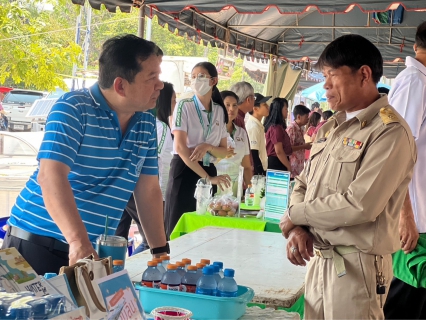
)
(111, 246)
(171, 313)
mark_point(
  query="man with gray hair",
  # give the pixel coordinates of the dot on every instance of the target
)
(245, 93)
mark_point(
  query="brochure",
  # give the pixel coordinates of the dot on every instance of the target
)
(121, 299)
(277, 193)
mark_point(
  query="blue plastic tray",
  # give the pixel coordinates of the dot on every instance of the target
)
(202, 307)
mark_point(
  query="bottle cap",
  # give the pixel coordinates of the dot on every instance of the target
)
(218, 263)
(208, 270)
(157, 260)
(192, 268)
(152, 263)
(171, 267)
(215, 268)
(180, 264)
(186, 261)
(205, 261)
(229, 273)
(118, 263)
(165, 258)
(200, 265)
(49, 275)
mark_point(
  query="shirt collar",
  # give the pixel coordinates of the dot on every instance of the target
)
(98, 97)
(411, 62)
(367, 114)
(255, 120)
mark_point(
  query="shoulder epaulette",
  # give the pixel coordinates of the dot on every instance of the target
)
(388, 115)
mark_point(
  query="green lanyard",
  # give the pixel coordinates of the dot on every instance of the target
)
(206, 130)
(233, 131)
(163, 137)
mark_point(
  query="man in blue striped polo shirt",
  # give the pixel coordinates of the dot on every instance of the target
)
(99, 146)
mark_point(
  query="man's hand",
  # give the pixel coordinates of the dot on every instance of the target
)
(80, 250)
(200, 151)
(408, 233)
(286, 225)
(300, 246)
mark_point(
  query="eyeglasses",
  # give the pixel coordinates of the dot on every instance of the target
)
(201, 76)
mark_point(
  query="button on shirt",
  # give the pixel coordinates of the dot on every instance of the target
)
(231, 166)
(351, 191)
(185, 118)
(256, 133)
(83, 132)
(408, 97)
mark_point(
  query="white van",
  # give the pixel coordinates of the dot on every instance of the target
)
(16, 104)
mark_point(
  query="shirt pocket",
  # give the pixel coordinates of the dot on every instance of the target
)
(314, 160)
(344, 167)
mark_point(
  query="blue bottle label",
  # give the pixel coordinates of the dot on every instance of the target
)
(207, 292)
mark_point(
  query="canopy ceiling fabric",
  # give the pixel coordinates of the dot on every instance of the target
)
(291, 30)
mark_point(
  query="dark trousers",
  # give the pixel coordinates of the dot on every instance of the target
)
(180, 191)
(274, 163)
(40, 258)
(405, 301)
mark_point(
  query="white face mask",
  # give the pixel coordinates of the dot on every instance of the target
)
(200, 86)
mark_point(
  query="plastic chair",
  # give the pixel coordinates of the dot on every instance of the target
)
(3, 230)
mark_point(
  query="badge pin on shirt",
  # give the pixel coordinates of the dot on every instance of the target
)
(352, 143)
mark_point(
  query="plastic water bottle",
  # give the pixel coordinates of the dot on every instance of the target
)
(180, 268)
(249, 196)
(117, 265)
(189, 280)
(207, 284)
(152, 276)
(171, 279)
(200, 267)
(160, 265)
(187, 262)
(227, 287)
(165, 260)
(220, 264)
(216, 272)
(205, 261)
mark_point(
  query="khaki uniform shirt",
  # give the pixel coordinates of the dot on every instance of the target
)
(352, 189)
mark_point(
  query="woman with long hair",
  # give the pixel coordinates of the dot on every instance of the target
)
(165, 105)
(200, 136)
(278, 145)
(239, 138)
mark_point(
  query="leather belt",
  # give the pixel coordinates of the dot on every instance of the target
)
(48, 242)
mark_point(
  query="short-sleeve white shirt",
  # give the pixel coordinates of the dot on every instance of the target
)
(165, 148)
(256, 133)
(185, 118)
(231, 166)
(408, 97)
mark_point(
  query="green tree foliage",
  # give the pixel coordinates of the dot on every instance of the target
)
(34, 55)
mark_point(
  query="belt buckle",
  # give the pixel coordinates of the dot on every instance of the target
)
(318, 253)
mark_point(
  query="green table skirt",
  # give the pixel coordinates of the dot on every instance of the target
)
(191, 221)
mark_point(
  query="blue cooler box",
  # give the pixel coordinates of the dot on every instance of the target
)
(202, 307)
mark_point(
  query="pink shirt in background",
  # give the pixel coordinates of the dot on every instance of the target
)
(297, 159)
(310, 132)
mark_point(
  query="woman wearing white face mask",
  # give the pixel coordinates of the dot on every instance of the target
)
(200, 136)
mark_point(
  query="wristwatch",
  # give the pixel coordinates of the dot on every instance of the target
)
(162, 249)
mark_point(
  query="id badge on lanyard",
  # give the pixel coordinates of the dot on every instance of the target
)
(206, 129)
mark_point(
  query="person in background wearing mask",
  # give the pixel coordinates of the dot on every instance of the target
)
(165, 105)
(256, 133)
(200, 137)
(231, 166)
(245, 93)
(295, 132)
(278, 144)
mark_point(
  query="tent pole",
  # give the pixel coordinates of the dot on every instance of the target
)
(141, 24)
